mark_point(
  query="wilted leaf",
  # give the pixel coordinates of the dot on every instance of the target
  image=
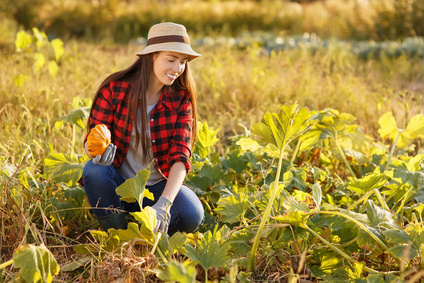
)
(37, 264)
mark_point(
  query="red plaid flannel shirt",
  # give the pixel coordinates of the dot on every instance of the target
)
(170, 124)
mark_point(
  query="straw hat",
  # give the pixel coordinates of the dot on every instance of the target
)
(168, 37)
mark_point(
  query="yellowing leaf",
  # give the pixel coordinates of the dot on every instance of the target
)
(147, 219)
(53, 68)
(133, 189)
(232, 208)
(58, 48)
(175, 271)
(37, 264)
(23, 41)
(40, 61)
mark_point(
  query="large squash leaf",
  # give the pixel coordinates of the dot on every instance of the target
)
(37, 264)
(134, 189)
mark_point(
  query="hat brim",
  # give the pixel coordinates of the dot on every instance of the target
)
(174, 47)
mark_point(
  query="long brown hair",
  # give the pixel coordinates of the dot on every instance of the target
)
(138, 74)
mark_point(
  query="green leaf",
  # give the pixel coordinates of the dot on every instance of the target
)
(295, 218)
(279, 129)
(77, 117)
(404, 246)
(74, 265)
(414, 129)
(380, 217)
(355, 272)
(20, 80)
(414, 178)
(61, 167)
(58, 48)
(175, 271)
(133, 189)
(248, 144)
(37, 264)
(367, 183)
(209, 252)
(206, 139)
(147, 219)
(232, 208)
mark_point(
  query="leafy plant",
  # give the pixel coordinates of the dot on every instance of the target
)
(279, 129)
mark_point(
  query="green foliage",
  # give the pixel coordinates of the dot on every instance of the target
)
(209, 251)
(36, 264)
(134, 189)
(175, 271)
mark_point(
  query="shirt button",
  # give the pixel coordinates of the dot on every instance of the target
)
(151, 120)
(156, 159)
(153, 140)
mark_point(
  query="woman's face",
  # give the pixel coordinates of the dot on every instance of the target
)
(168, 66)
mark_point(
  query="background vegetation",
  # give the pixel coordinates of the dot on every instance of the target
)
(359, 57)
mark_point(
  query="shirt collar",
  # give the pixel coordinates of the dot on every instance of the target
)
(170, 98)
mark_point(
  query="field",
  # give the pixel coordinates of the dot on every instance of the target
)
(309, 160)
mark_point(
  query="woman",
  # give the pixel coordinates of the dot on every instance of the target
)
(150, 110)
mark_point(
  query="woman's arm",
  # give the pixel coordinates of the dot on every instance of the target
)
(175, 180)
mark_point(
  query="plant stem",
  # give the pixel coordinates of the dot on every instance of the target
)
(346, 256)
(267, 211)
(362, 226)
(295, 151)
(365, 197)
(344, 159)
(73, 140)
(392, 150)
(6, 264)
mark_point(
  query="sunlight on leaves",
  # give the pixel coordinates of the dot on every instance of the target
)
(232, 208)
(175, 271)
(209, 252)
(134, 189)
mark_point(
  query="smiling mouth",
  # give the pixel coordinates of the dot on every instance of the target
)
(171, 77)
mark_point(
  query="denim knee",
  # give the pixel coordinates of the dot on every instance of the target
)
(100, 183)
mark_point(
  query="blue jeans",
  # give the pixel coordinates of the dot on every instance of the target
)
(100, 182)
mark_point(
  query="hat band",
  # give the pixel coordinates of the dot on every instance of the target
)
(167, 38)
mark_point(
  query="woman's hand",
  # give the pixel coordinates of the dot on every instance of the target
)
(163, 214)
(106, 158)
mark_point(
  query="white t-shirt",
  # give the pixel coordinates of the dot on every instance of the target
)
(134, 160)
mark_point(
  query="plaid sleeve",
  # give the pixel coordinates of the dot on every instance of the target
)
(103, 109)
(180, 145)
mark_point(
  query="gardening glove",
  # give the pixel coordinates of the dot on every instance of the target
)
(107, 157)
(163, 214)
